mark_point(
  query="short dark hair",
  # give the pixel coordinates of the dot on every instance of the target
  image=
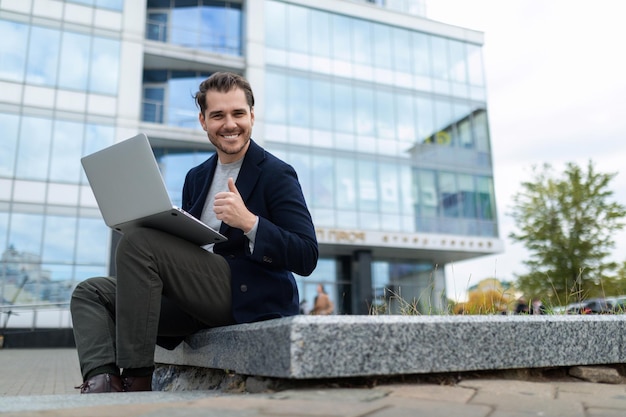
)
(223, 82)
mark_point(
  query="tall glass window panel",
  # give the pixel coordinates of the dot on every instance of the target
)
(34, 148)
(92, 242)
(405, 125)
(444, 121)
(174, 165)
(422, 60)
(388, 183)
(458, 61)
(382, 52)
(401, 47)
(298, 29)
(439, 56)
(440, 65)
(323, 182)
(475, 65)
(185, 27)
(26, 232)
(9, 125)
(275, 25)
(344, 108)
(67, 142)
(428, 195)
(481, 131)
(362, 41)
(385, 114)
(105, 53)
(153, 104)
(462, 119)
(467, 193)
(180, 109)
(408, 191)
(341, 39)
(43, 56)
(486, 198)
(74, 61)
(367, 176)
(59, 239)
(13, 50)
(425, 119)
(220, 28)
(365, 111)
(321, 35)
(156, 26)
(301, 162)
(346, 183)
(322, 104)
(276, 102)
(449, 195)
(4, 230)
(299, 101)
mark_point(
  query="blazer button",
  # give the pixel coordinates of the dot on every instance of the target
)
(243, 288)
(267, 259)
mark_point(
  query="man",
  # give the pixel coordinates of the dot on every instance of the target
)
(167, 288)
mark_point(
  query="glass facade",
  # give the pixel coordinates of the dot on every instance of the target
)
(386, 126)
(388, 138)
(51, 232)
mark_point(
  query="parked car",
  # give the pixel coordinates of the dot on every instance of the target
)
(591, 306)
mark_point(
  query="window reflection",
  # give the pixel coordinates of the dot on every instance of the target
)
(51, 50)
(174, 165)
(66, 151)
(92, 241)
(34, 148)
(43, 56)
(74, 61)
(214, 26)
(167, 97)
(104, 54)
(13, 50)
(59, 239)
(25, 232)
(9, 127)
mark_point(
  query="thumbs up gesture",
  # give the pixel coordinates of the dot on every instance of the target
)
(230, 208)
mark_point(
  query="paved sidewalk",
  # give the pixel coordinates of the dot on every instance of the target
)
(39, 382)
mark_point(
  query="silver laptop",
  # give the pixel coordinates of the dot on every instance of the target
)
(129, 189)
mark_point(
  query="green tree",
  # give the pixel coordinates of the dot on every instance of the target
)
(567, 225)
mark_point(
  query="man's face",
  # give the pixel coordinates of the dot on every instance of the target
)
(228, 122)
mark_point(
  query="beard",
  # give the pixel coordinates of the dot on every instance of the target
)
(229, 149)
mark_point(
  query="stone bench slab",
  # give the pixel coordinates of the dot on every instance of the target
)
(311, 347)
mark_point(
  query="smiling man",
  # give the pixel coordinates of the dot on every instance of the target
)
(167, 288)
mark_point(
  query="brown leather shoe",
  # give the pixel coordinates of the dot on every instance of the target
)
(137, 383)
(102, 383)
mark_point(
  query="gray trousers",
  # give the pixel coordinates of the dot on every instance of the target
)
(165, 286)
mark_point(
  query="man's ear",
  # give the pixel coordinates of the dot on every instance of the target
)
(202, 121)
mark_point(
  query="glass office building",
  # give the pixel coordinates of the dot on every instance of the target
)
(381, 111)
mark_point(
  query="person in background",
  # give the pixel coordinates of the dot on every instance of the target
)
(167, 288)
(323, 305)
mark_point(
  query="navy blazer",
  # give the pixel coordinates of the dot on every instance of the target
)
(262, 283)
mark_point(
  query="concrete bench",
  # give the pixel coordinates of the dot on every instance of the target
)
(314, 347)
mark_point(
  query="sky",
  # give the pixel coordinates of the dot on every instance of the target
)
(556, 93)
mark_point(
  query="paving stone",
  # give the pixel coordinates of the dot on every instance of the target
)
(601, 374)
(433, 392)
(530, 403)
(497, 387)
